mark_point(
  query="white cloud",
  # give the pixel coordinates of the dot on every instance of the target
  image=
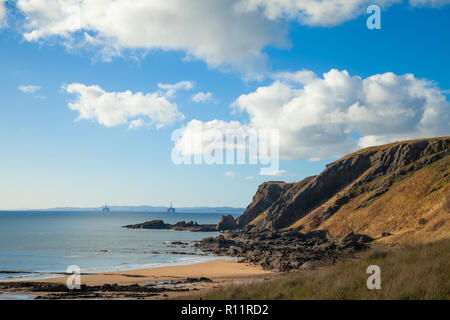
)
(323, 13)
(212, 31)
(138, 123)
(171, 89)
(229, 174)
(224, 34)
(115, 108)
(29, 88)
(320, 119)
(429, 3)
(249, 178)
(277, 173)
(202, 97)
(2, 13)
(312, 12)
(197, 135)
(301, 77)
(328, 116)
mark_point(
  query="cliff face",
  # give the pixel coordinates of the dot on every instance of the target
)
(359, 181)
(265, 196)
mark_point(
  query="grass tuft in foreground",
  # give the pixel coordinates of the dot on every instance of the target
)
(419, 272)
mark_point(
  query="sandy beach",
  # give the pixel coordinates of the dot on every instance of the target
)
(219, 272)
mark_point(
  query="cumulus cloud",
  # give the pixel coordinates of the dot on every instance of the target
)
(429, 3)
(171, 89)
(2, 13)
(322, 117)
(323, 13)
(213, 31)
(196, 134)
(312, 12)
(325, 117)
(29, 88)
(224, 34)
(302, 76)
(116, 108)
(202, 97)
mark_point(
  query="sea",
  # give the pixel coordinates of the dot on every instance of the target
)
(41, 244)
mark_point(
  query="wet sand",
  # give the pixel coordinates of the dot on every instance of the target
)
(219, 272)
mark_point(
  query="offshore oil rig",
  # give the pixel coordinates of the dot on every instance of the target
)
(171, 209)
(105, 209)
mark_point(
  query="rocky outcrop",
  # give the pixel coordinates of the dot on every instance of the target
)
(154, 224)
(280, 205)
(179, 226)
(48, 290)
(226, 223)
(286, 250)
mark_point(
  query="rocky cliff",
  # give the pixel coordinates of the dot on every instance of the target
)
(265, 196)
(363, 192)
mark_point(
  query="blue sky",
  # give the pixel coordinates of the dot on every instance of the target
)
(49, 158)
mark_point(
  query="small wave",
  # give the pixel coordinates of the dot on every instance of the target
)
(163, 263)
(31, 276)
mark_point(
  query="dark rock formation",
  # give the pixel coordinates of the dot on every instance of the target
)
(355, 240)
(354, 237)
(61, 291)
(196, 280)
(179, 226)
(154, 224)
(286, 250)
(226, 223)
(179, 243)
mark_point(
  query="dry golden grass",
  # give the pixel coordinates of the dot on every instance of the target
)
(414, 210)
(260, 217)
(411, 272)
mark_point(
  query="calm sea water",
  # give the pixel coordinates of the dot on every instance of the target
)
(48, 242)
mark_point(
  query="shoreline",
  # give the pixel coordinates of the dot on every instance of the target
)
(161, 282)
(48, 275)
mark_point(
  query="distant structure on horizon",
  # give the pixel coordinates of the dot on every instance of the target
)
(105, 209)
(171, 209)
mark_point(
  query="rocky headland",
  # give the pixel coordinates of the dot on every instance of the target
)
(225, 223)
(389, 194)
(190, 226)
(392, 194)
